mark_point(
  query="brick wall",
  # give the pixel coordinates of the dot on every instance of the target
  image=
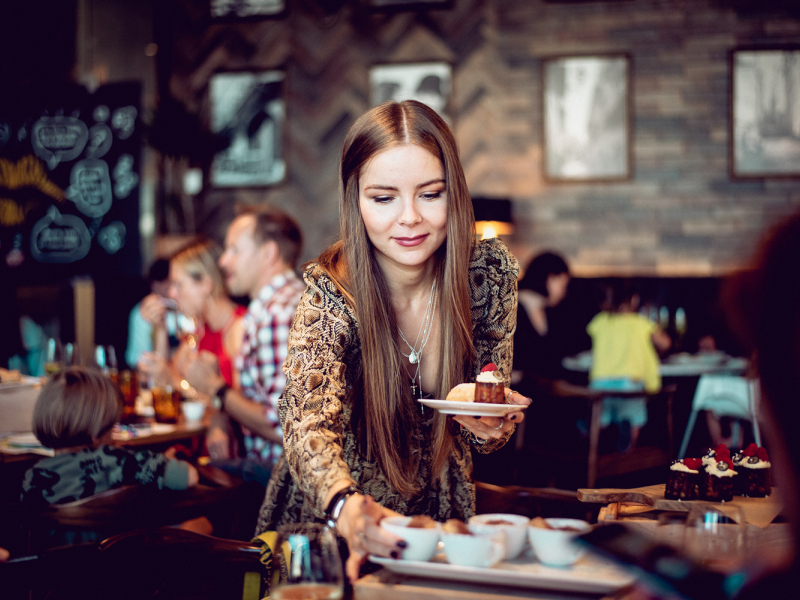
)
(680, 214)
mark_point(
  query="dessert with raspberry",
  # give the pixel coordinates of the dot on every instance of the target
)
(754, 472)
(716, 484)
(684, 477)
(489, 386)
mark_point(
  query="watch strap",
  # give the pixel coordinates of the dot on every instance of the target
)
(218, 400)
(336, 504)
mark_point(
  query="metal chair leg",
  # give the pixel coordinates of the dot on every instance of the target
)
(687, 434)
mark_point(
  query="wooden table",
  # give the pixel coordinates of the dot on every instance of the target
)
(384, 585)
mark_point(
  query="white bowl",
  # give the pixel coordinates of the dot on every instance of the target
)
(477, 550)
(193, 410)
(421, 542)
(556, 547)
(515, 528)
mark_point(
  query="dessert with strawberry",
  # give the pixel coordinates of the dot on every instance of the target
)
(489, 386)
(754, 472)
(717, 480)
(684, 478)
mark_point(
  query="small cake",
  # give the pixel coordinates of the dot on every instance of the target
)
(755, 472)
(684, 477)
(463, 392)
(456, 526)
(489, 386)
(716, 484)
(421, 522)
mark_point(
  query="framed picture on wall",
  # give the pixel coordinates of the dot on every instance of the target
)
(428, 82)
(765, 113)
(409, 4)
(245, 9)
(248, 110)
(587, 132)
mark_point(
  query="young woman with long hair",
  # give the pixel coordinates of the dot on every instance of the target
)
(406, 305)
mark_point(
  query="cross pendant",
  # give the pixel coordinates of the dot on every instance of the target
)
(413, 390)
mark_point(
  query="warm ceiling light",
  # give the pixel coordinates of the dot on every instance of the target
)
(151, 49)
(490, 229)
(492, 217)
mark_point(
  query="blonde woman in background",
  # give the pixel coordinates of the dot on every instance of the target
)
(197, 286)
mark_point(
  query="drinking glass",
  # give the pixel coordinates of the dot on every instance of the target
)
(128, 384)
(308, 565)
(186, 329)
(166, 404)
(716, 537)
(72, 354)
(53, 361)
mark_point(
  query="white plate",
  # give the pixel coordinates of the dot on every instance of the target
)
(449, 407)
(26, 381)
(590, 574)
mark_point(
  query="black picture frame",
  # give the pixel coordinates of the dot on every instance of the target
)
(249, 111)
(429, 82)
(402, 5)
(764, 134)
(586, 120)
(245, 10)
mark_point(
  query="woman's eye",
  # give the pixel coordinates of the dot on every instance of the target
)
(382, 199)
(432, 195)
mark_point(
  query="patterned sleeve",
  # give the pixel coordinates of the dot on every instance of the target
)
(311, 407)
(493, 281)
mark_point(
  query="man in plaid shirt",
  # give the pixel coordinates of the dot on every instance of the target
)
(261, 250)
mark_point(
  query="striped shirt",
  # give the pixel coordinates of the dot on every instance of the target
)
(264, 347)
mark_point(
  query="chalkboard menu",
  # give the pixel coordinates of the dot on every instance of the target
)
(70, 166)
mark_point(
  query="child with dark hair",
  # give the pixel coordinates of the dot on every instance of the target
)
(74, 414)
(625, 348)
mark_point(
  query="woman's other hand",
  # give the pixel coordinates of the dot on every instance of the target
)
(488, 428)
(153, 310)
(217, 443)
(359, 525)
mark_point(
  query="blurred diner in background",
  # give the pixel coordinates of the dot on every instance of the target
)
(589, 207)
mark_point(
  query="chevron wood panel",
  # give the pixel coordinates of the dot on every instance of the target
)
(680, 213)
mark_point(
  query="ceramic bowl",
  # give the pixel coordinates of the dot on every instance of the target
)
(514, 526)
(422, 542)
(556, 547)
(193, 410)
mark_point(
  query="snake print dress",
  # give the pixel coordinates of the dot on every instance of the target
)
(316, 409)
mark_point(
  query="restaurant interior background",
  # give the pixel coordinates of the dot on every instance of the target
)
(679, 216)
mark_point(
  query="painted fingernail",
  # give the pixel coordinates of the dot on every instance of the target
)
(476, 417)
(512, 418)
(402, 544)
(395, 554)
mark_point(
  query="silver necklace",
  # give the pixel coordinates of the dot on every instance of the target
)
(427, 321)
(415, 356)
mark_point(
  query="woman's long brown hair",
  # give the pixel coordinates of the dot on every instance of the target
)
(385, 416)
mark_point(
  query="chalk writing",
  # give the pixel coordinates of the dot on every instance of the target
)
(101, 113)
(124, 121)
(99, 140)
(90, 187)
(28, 171)
(112, 237)
(124, 177)
(58, 138)
(57, 238)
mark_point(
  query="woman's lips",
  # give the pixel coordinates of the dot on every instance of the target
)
(411, 241)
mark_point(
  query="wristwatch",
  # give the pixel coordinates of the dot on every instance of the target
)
(337, 504)
(218, 399)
